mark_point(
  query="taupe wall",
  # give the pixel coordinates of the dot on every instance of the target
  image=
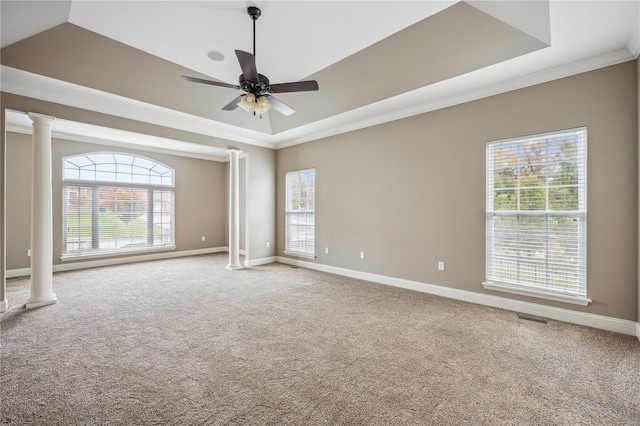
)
(412, 192)
(260, 176)
(199, 208)
(2, 210)
(18, 198)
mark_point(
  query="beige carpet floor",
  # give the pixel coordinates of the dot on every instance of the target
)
(186, 342)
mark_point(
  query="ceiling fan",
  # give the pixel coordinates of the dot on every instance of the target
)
(258, 97)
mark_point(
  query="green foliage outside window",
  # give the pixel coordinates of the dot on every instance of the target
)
(525, 177)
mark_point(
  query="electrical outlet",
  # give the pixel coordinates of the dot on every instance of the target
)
(268, 244)
(326, 250)
(440, 266)
(29, 252)
(361, 255)
(203, 238)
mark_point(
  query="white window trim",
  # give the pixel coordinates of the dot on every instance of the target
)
(287, 251)
(96, 255)
(549, 294)
(95, 183)
(300, 254)
(524, 291)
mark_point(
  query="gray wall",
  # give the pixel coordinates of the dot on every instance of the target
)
(260, 219)
(412, 192)
(199, 208)
(3, 239)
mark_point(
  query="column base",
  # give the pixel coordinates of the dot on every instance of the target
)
(233, 267)
(4, 305)
(37, 303)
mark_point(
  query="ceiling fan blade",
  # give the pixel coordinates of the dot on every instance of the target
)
(298, 86)
(280, 106)
(232, 105)
(248, 65)
(211, 82)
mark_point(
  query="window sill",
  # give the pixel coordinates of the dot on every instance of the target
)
(97, 255)
(298, 254)
(576, 300)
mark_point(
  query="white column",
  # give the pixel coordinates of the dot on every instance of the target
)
(41, 215)
(234, 209)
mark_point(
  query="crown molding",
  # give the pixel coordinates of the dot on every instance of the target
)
(23, 83)
(479, 84)
(19, 122)
(455, 91)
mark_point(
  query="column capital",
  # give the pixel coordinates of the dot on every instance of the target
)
(234, 153)
(37, 118)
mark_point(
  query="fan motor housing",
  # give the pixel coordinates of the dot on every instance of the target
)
(259, 89)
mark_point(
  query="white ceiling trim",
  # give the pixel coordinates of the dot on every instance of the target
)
(454, 91)
(19, 122)
(23, 83)
(457, 90)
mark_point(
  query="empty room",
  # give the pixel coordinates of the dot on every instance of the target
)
(319, 212)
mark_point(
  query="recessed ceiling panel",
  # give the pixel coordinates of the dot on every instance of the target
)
(22, 19)
(70, 53)
(294, 38)
(531, 17)
(455, 41)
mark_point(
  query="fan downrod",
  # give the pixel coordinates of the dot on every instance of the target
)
(254, 13)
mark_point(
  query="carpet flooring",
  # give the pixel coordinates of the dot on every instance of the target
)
(186, 342)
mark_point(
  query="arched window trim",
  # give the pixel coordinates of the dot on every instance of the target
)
(167, 177)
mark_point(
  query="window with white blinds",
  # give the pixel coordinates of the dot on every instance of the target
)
(537, 212)
(114, 203)
(300, 212)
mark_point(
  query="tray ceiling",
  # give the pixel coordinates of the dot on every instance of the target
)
(374, 60)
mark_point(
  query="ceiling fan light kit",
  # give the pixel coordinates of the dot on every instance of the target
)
(254, 105)
(259, 93)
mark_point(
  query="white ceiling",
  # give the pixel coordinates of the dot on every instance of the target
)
(293, 39)
(298, 38)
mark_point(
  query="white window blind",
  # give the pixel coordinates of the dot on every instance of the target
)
(300, 212)
(537, 212)
(116, 203)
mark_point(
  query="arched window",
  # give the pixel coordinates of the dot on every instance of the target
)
(115, 202)
(115, 167)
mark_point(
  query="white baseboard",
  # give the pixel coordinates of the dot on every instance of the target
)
(13, 273)
(258, 262)
(70, 266)
(590, 320)
(241, 252)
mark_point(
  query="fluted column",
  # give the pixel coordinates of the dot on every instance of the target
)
(234, 209)
(41, 215)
